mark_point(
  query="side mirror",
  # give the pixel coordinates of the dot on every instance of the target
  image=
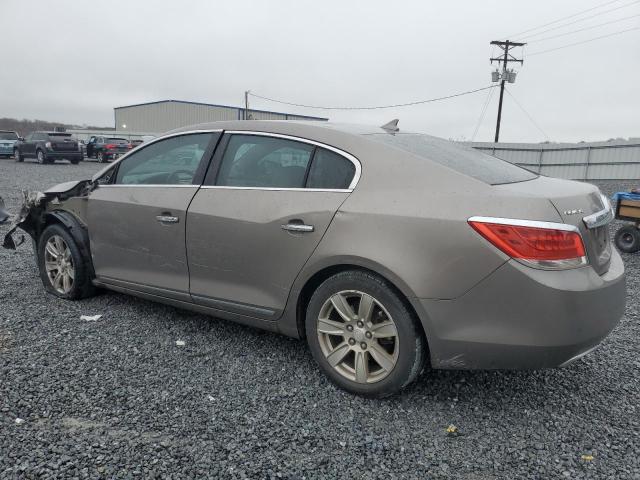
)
(21, 139)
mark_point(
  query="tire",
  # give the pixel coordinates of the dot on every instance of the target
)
(100, 157)
(75, 161)
(405, 345)
(41, 157)
(628, 239)
(17, 156)
(80, 285)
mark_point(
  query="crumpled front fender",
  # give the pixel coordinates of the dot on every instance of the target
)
(32, 215)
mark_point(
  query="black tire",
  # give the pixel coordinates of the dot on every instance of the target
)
(412, 345)
(75, 161)
(41, 157)
(82, 286)
(100, 157)
(17, 156)
(628, 239)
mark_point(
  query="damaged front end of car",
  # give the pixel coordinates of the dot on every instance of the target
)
(66, 198)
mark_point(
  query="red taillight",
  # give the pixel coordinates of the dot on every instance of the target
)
(109, 146)
(130, 146)
(541, 246)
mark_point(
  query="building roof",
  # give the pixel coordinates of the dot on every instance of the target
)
(219, 106)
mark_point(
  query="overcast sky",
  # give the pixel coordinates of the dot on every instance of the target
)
(73, 61)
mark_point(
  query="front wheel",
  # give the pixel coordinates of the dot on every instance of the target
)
(63, 271)
(100, 157)
(363, 335)
(628, 239)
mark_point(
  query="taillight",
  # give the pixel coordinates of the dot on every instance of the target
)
(109, 146)
(546, 245)
(130, 146)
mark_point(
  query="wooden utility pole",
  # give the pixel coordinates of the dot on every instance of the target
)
(505, 59)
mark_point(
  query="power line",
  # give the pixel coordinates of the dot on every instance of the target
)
(583, 29)
(584, 41)
(482, 113)
(581, 19)
(535, 124)
(564, 18)
(418, 102)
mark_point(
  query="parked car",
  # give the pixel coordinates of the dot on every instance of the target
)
(107, 148)
(47, 147)
(384, 250)
(7, 141)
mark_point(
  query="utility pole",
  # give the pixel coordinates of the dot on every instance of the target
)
(505, 75)
(246, 104)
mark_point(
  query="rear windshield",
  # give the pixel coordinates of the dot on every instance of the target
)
(465, 160)
(116, 140)
(8, 136)
(67, 135)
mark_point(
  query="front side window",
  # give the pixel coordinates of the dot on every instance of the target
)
(173, 161)
(261, 161)
(330, 171)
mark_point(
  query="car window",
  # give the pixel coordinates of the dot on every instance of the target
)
(330, 170)
(28, 137)
(8, 136)
(261, 161)
(464, 160)
(173, 161)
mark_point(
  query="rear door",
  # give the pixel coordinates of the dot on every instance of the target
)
(137, 219)
(29, 145)
(265, 205)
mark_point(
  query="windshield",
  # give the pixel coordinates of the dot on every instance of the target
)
(465, 160)
(8, 136)
(117, 140)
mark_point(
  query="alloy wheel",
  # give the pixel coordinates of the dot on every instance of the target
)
(40, 157)
(358, 337)
(58, 264)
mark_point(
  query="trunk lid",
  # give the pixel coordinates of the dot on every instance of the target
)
(574, 201)
(61, 143)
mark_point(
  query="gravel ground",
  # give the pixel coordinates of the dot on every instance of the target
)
(117, 398)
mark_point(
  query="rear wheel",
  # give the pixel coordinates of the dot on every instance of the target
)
(17, 156)
(628, 239)
(63, 271)
(363, 336)
(42, 159)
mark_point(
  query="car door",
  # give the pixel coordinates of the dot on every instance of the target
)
(137, 215)
(257, 219)
(28, 147)
(90, 145)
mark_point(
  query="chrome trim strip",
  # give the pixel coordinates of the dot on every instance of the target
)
(348, 156)
(147, 185)
(526, 223)
(226, 187)
(602, 217)
(145, 144)
(578, 356)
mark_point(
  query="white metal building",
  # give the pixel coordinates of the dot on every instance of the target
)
(612, 160)
(159, 117)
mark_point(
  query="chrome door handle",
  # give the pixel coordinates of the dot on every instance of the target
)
(167, 219)
(297, 227)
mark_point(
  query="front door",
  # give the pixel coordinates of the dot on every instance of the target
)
(253, 226)
(137, 218)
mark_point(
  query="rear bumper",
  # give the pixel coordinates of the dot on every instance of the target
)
(51, 155)
(522, 318)
(6, 150)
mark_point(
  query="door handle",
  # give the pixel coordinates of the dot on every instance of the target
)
(167, 219)
(297, 227)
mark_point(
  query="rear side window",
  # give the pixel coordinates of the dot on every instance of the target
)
(464, 160)
(330, 170)
(261, 161)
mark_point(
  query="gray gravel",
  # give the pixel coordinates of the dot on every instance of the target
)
(117, 398)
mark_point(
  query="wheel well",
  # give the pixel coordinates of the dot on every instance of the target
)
(316, 280)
